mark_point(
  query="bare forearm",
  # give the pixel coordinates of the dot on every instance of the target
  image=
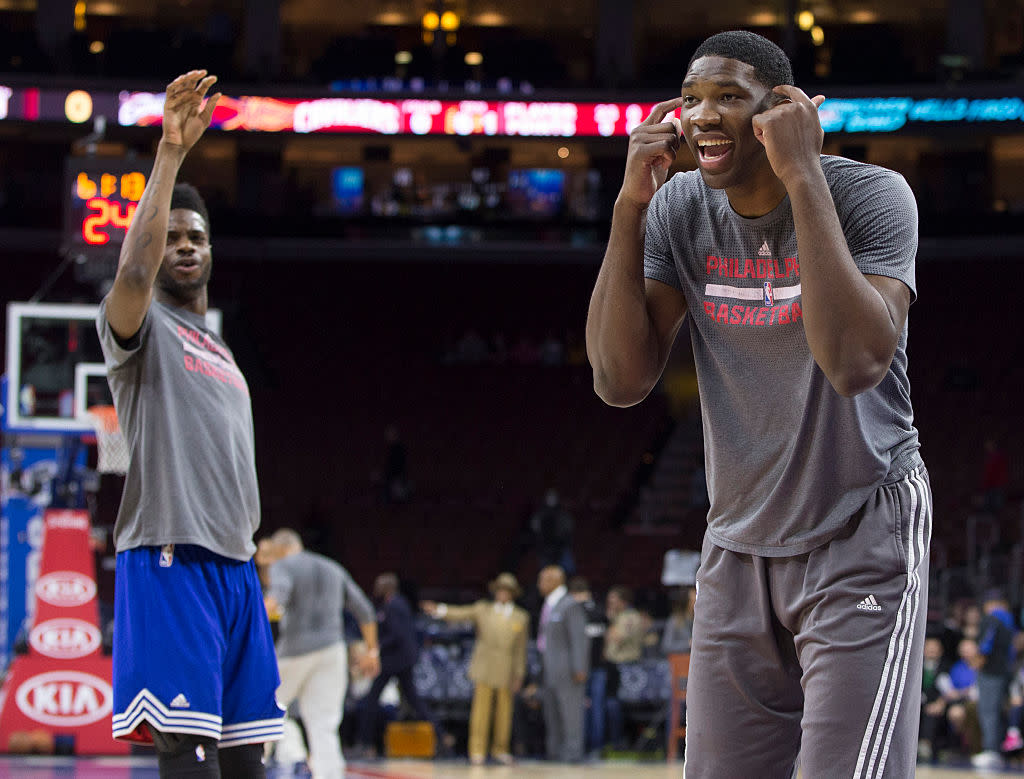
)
(144, 243)
(369, 631)
(849, 328)
(143, 249)
(621, 341)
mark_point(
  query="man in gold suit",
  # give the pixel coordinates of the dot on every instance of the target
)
(498, 665)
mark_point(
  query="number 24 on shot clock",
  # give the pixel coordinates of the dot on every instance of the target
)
(102, 196)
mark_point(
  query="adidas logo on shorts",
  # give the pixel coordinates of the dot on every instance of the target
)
(180, 702)
(869, 604)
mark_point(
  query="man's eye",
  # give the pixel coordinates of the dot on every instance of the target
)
(727, 97)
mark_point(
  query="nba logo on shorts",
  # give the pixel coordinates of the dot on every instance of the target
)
(769, 294)
(166, 555)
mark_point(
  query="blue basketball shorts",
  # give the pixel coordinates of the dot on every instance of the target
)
(193, 651)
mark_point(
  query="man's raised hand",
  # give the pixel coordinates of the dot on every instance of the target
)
(185, 115)
(791, 131)
(653, 145)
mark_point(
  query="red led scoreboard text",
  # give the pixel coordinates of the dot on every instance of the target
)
(102, 196)
(103, 213)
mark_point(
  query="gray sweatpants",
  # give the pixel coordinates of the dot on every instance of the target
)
(818, 655)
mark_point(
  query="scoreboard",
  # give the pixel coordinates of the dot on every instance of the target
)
(101, 195)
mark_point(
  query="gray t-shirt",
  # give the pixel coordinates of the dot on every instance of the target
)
(184, 408)
(313, 590)
(789, 460)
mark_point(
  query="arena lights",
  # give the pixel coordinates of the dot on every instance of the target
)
(523, 118)
(78, 106)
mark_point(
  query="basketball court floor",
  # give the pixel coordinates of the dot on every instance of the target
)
(145, 768)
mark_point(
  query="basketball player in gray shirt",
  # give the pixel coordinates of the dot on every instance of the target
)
(194, 665)
(794, 272)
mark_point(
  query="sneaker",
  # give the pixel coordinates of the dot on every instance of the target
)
(987, 759)
(1013, 740)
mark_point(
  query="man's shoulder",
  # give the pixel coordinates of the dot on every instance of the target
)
(842, 173)
(681, 191)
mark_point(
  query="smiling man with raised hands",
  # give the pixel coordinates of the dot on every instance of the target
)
(794, 272)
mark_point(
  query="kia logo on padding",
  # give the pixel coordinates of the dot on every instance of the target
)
(65, 639)
(65, 698)
(66, 588)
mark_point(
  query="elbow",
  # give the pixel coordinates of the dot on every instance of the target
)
(854, 381)
(618, 393)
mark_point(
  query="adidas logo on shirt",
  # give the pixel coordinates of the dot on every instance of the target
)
(868, 604)
(180, 702)
(764, 251)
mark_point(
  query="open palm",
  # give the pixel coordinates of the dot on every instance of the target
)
(185, 116)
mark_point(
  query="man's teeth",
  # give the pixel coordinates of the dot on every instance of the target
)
(714, 148)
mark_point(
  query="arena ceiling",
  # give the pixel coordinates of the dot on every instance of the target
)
(529, 14)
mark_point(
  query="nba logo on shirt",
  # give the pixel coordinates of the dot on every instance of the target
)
(166, 555)
(769, 294)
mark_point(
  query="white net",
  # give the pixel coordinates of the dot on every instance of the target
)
(111, 447)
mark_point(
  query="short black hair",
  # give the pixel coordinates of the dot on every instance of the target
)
(770, 63)
(186, 196)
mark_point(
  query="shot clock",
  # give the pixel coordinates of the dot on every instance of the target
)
(100, 199)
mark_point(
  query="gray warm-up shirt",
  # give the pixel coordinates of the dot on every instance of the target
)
(789, 460)
(184, 408)
(312, 591)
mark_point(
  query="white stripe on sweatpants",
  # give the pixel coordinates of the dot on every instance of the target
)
(890, 687)
(922, 540)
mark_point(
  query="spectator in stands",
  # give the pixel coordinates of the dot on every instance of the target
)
(310, 592)
(994, 662)
(995, 477)
(970, 621)
(959, 688)
(562, 642)
(623, 643)
(399, 651)
(552, 527)
(933, 705)
(679, 625)
(498, 665)
(597, 681)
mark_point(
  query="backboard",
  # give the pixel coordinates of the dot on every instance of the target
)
(55, 368)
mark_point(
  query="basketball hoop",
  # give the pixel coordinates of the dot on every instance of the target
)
(110, 443)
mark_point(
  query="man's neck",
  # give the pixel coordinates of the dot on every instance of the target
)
(197, 305)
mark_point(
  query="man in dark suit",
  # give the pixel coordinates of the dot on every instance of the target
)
(565, 656)
(398, 653)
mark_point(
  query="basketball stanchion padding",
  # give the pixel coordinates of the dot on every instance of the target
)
(111, 447)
